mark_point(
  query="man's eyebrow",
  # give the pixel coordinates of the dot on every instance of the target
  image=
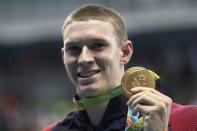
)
(97, 40)
(70, 43)
(81, 42)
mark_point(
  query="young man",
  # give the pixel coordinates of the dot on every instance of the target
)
(96, 48)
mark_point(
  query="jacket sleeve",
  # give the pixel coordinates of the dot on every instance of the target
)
(183, 118)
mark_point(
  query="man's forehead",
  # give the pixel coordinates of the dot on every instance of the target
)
(89, 22)
(82, 31)
(90, 26)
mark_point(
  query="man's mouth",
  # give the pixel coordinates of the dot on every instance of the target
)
(87, 74)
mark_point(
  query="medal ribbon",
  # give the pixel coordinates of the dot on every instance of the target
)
(89, 102)
(133, 123)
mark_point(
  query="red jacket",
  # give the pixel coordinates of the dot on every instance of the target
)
(182, 118)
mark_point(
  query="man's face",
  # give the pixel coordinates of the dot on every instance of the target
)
(92, 57)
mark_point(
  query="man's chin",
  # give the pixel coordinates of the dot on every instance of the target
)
(91, 93)
(88, 92)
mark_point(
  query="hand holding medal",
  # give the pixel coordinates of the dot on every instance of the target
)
(135, 77)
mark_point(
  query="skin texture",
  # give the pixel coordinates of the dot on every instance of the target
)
(94, 62)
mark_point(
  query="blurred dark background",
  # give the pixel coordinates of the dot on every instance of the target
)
(34, 88)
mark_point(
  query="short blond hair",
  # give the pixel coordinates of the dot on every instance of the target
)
(98, 12)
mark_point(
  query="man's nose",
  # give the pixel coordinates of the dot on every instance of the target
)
(86, 57)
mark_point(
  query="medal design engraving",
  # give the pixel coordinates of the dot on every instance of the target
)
(135, 77)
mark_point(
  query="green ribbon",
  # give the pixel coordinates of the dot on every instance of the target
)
(89, 102)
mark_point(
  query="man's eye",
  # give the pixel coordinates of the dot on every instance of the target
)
(97, 46)
(73, 49)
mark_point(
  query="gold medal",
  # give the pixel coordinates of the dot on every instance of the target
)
(135, 77)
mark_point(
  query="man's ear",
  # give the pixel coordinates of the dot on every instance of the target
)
(62, 54)
(127, 51)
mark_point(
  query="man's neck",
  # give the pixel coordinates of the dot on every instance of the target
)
(96, 113)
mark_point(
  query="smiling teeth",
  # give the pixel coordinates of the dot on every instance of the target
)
(88, 74)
